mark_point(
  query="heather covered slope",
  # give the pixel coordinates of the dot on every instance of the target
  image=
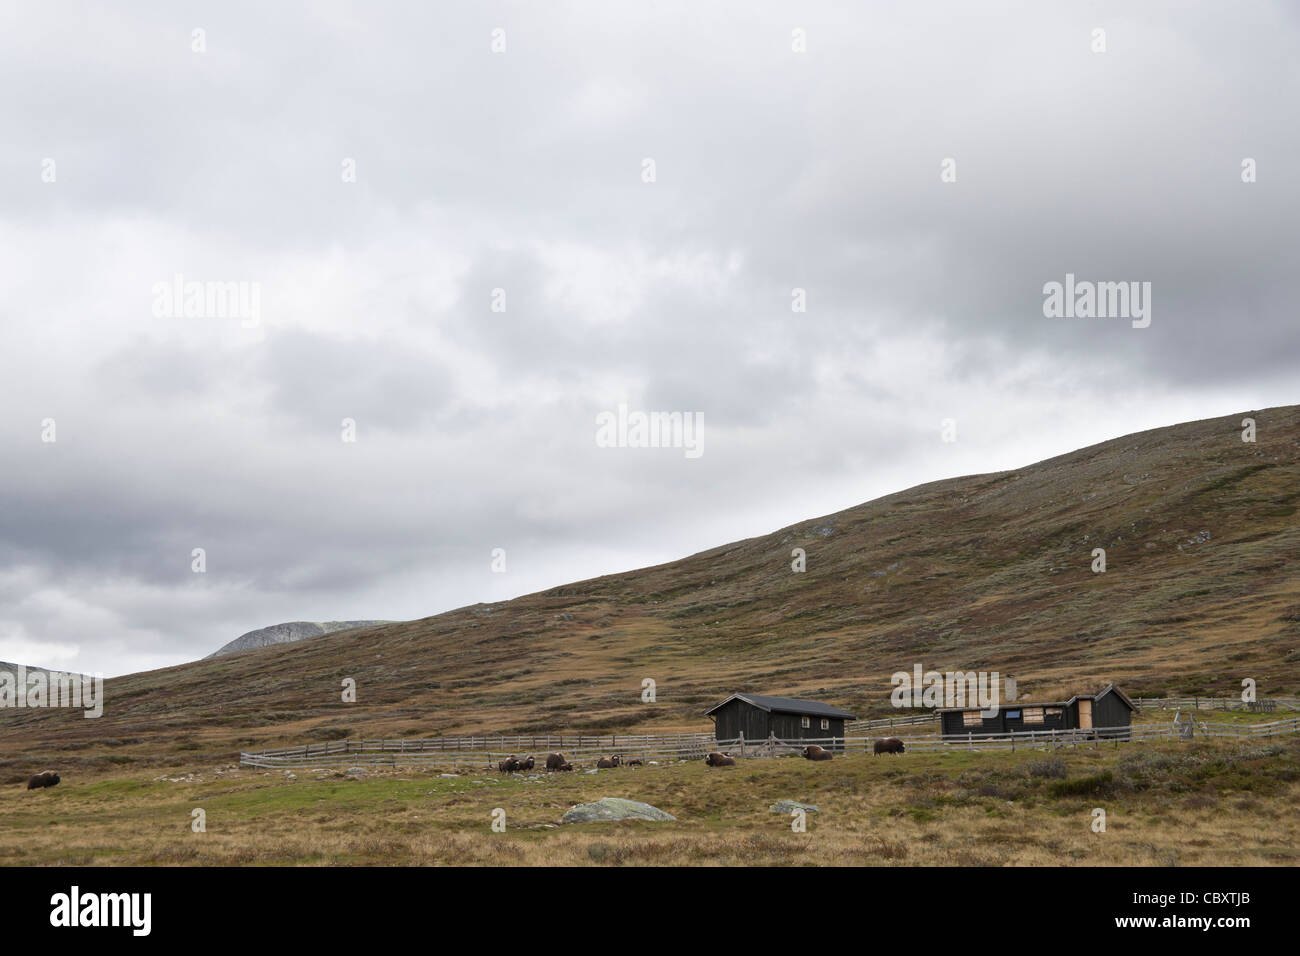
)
(981, 572)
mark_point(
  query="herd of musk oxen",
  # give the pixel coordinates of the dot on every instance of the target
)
(886, 745)
(557, 761)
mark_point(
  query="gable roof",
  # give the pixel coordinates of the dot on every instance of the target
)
(1011, 705)
(1112, 689)
(786, 705)
(1018, 704)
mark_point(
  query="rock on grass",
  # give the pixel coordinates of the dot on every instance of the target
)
(614, 808)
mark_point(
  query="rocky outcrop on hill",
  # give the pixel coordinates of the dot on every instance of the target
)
(288, 633)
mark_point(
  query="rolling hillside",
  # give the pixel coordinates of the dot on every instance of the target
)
(982, 572)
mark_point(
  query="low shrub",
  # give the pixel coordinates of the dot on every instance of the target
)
(1093, 785)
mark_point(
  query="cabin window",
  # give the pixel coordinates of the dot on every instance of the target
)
(826, 724)
(806, 722)
(1013, 715)
(1033, 715)
(1054, 711)
(972, 718)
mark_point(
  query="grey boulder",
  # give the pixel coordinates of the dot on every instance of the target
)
(615, 808)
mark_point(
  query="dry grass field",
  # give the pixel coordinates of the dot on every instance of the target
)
(1177, 804)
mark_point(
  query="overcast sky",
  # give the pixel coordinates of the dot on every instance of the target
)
(128, 157)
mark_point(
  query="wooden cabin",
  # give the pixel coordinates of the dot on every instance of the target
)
(786, 718)
(1108, 712)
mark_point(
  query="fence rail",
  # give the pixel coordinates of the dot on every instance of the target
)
(374, 756)
(888, 723)
(435, 751)
(1217, 703)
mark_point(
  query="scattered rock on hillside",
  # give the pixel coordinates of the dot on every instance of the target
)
(893, 567)
(789, 806)
(615, 808)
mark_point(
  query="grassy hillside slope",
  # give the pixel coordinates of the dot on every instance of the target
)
(982, 572)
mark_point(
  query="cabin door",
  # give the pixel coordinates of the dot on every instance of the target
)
(1085, 715)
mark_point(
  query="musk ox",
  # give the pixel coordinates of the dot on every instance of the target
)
(509, 765)
(635, 762)
(46, 778)
(813, 752)
(889, 745)
(716, 759)
(556, 761)
(605, 763)
(528, 763)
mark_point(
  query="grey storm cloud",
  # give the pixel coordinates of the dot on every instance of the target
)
(521, 170)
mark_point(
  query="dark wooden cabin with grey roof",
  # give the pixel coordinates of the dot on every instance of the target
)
(786, 718)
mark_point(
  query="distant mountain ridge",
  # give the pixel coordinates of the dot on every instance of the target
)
(287, 634)
(12, 668)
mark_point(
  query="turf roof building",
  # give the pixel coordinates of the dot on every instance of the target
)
(1108, 712)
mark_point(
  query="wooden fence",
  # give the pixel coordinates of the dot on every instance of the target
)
(1266, 704)
(479, 752)
(1097, 737)
(889, 723)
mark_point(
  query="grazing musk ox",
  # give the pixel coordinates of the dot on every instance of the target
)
(604, 763)
(813, 752)
(527, 763)
(716, 759)
(509, 765)
(888, 745)
(556, 761)
(46, 778)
